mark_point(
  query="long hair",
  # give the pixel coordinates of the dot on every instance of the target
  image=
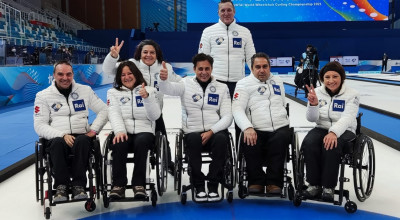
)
(138, 52)
(135, 71)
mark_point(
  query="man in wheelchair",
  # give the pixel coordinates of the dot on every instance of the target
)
(206, 116)
(259, 110)
(333, 107)
(61, 117)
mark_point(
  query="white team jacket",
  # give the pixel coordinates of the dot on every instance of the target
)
(201, 111)
(150, 73)
(260, 105)
(336, 114)
(129, 113)
(55, 117)
(230, 46)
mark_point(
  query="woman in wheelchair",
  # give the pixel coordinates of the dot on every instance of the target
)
(333, 107)
(133, 108)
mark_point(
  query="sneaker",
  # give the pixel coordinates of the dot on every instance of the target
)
(117, 192)
(200, 194)
(212, 191)
(78, 192)
(140, 192)
(327, 194)
(61, 194)
(312, 191)
(273, 189)
(256, 189)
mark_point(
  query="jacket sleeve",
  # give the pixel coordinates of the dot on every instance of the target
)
(172, 76)
(98, 106)
(110, 64)
(312, 113)
(225, 113)
(348, 116)
(239, 105)
(205, 45)
(41, 120)
(172, 88)
(115, 113)
(151, 105)
(249, 50)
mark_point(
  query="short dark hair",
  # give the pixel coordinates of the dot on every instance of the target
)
(66, 62)
(202, 57)
(259, 55)
(136, 72)
(157, 48)
(333, 66)
(225, 1)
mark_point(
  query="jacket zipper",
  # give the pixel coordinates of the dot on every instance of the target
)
(227, 33)
(133, 117)
(270, 113)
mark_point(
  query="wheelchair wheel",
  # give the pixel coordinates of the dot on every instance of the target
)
(90, 206)
(153, 198)
(178, 163)
(295, 156)
(98, 167)
(229, 171)
(161, 163)
(106, 186)
(363, 167)
(350, 207)
(39, 171)
(47, 213)
(242, 192)
(299, 172)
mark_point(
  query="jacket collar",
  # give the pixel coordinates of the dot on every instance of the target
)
(143, 65)
(232, 25)
(54, 88)
(252, 77)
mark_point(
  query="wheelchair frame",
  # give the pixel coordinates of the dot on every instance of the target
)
(181, 158)
(360, 157)
(43, 175)
(157, 159)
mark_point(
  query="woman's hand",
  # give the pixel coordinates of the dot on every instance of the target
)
(330, 141)
(114, 50)
(143, 92)
(312, 96)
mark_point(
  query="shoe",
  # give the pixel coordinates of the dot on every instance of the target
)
(273, 189)
(256, 189)
(312, 191)
(212, 191)
(327, 194)
(61, 194)
(140, 192)
(200, 194)
(78, 192)
(117, 192)
(171, 168)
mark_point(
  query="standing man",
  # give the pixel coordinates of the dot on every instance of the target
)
(61, 117)
(310, 67)
(206, 116)
(258, 108)
(385, 59)
(231, 45)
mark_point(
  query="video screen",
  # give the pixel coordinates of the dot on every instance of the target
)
(206, 11)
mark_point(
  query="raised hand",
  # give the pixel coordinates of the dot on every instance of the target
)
(114, 50)
(312, 96)
(164, 71)
(143, 92)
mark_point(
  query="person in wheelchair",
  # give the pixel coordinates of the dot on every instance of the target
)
(333, 107)
(61, 116)
(206, 109)
(259, 109)
(132, 111)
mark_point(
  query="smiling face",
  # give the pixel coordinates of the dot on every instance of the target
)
(226, 12)
(261, 69)
(63, 76)
(203, 70)
(148, 55)
(127, 78)
(332, 81)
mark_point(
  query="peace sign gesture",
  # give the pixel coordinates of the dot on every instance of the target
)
(114, 50)
(312, 96)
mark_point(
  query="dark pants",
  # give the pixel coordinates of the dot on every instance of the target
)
(217, 146)
(270, 150)
(310, 77)
(322, 166)
(160, 126)
(59, 156)
(139, 144)
(384, 66)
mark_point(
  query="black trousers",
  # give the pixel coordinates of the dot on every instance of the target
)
(59, 155)
(270, 150)
(139, 144)
(160, 126)
(217, 146)
(322, 166)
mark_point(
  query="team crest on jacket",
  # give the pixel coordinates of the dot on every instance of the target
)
(322, 103)
(261, 90)
(156, 75)
(219, 40)
(124, 100)
(196, 97)
(74, 95)
(235, 33)
(236, 96)
(277, 89)
(213, 89)
(56, 106)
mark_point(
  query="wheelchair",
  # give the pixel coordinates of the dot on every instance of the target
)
(288, 190)
(44, 172)
(157, 159)
(182, 166)
(358, 154)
